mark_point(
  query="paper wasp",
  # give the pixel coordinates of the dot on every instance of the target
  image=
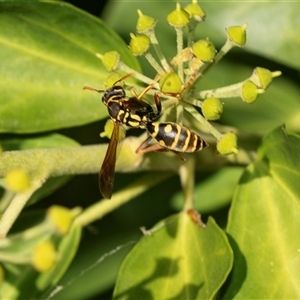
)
(129, 111)
(136, 113)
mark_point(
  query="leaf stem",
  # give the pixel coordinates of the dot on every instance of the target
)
(179, 40)
(158, 51)
(17, 204)
(187, 177)
(203, 121)
(101, 208)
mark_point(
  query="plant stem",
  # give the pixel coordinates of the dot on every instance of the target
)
(203, 121)
(17, 204)
(179, 40)
(101, 208)
(158, 51)
(187, 177)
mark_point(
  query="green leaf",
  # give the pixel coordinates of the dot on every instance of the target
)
(50, 54)
(180, 260)
(99, 258)
(52, 140)
(264, 223)
(207, 197)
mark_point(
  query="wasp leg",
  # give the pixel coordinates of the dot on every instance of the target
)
(157, 103)
(145, 148)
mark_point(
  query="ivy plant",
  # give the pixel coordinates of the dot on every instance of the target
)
(222, 222)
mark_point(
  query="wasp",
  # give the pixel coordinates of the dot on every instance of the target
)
(130, 111)
(136, 113)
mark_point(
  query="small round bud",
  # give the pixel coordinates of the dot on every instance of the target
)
(178, 17)
(249, 91)
(108, 129)
(110, 60)
(144, 23)
(111, 80)
(195, 11)
(44, 256)
(60, 218)
(263, 77)
(17, 180)
(170, 83)
(139, 44)
(212, 108)
(204, 50)
(237, 34)
(227, 144)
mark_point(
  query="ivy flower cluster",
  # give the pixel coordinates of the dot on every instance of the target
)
(179, 76)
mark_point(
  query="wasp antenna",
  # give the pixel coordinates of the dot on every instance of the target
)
(149, 87)
(123, 78)
(92, 89)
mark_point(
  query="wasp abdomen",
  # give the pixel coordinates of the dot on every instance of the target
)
(176, 137)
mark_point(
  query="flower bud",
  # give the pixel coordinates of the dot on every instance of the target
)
(237, 34)
(263, 77)
(108, 129)
(44, 256)
(195, 11)
(178, 17)
(139, 44)
(204, 50)
(170, 83)
(227, 144)
(110, 60)
(249, 91)
(111, 80)
(60, 218)
(212, 108)
(144, 23)
(17, 180)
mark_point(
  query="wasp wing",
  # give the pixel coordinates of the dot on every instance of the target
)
(107, 171)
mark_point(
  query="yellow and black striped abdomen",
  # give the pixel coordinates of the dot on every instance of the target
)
(176, 137)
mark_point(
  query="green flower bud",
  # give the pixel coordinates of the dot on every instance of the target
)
(139, 44)
(44, 256)
(195, 11)
(227, 144)
(178, 17)
(144, 23)
(17, 180)
(263, 77)
(110, 60)
(204, 50)
(60, 218)
(249, 92)
(108, 129)
(237, 34)
(170, 83)
(111, 79)
(212, 108)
